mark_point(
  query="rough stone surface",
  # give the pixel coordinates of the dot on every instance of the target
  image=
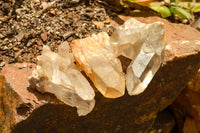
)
(127, 113)
(17, 76)
(18, 100)
(187, 104)
(190, 126)
(164, 123)
(8, 104)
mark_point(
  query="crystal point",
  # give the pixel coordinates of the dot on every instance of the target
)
(56, 73)
(144, 45)
(99, 60)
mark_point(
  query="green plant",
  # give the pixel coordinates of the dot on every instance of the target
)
(174, 7)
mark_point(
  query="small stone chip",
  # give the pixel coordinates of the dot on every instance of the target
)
(44, 36)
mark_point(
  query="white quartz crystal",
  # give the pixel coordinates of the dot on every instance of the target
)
(99, 61)
(144, 45)
(56, 73)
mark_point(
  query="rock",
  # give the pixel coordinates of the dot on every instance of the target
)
(39, 42)
(164, 123)
(98, 59)
(17, 99)
(30, 42)
(57, 74)
(107, 21)
(12, 72)
(52, 11)
(44, 5)
(68, 34)
(2, 64)
(73, 1)
(190, 126)
(144, 45)
(20, 36)
(14, 94)
(127, 113)
(44, 36)
(8, 104)
(99, 25)
(187, 104)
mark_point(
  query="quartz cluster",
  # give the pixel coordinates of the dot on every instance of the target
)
(56, 73)
(97, 57)
(144, 45)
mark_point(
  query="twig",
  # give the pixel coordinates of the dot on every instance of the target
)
(193, 4)
(172, 4)
(103, 2)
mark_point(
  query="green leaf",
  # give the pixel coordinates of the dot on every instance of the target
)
(163, 10)
(196, 8)
(180, 12)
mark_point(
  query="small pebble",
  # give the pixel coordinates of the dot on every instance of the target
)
(5, 48)
(107, 21)
(15, 49)
(2, 64)
(83, 18)
(62, 20)
(10, 45)
(44, 36)
(52, 12)
(68, 34)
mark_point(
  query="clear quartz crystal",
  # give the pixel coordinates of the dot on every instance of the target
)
(99, 60)
(56, 73)
(144, 45)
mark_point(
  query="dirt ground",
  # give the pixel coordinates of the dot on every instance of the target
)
(27, 25)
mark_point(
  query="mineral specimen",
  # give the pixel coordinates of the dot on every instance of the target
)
(144, 45)
(56, 73)
(99, 60)
(97, 57)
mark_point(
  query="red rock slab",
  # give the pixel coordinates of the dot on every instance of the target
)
(9, 101)
(17, 98)
(134, 114)
(187, 104)
(17, 76)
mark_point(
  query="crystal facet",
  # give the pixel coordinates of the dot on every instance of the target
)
(99, 60)
(144, 45)
(56, 73)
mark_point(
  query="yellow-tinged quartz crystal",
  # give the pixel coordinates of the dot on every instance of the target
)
(99, 60)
